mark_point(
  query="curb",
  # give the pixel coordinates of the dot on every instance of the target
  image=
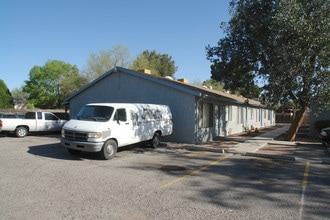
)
(272, 156)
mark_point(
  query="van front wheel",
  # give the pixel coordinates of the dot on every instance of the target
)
(155, 141)
(109, 150)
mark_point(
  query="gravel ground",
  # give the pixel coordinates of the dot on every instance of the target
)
(41, 180)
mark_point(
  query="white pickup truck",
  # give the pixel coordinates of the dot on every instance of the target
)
(31, 122)
(103, 127)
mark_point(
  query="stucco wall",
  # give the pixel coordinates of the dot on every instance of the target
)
(242, 117)
(232, 119)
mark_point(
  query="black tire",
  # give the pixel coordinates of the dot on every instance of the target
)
(21, 132)
(155, 141)
(109, 150)
(73, 151)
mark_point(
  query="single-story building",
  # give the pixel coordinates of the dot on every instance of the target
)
(199, 113)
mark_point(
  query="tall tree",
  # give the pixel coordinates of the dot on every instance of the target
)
(50, 84)
(6, 100)
(159, 64)
(20, 97)
(101, 62)
(285, 42)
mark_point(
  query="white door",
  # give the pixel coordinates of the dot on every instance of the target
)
(122, 127)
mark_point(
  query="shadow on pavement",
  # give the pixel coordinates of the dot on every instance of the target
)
(56, 151)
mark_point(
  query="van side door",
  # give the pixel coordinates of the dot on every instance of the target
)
(134, 118)
(121, 128)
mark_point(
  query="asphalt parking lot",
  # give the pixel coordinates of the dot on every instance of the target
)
(41, 180)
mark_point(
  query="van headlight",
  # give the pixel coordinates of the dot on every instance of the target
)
(94, 135)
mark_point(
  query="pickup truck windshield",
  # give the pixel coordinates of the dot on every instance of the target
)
(95, 113)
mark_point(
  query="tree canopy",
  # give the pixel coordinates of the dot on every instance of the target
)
(216, 85)
(20, 98)
(6, 100)
(103, 61)
(50, 84)
(159, 64)
(283, 42)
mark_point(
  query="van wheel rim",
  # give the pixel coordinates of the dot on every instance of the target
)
(110, 149)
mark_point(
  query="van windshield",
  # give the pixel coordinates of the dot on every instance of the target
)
(95, 113)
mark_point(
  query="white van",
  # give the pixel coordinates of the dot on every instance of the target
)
(103, 127)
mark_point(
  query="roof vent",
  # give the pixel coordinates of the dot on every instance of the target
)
(169, 77)
(145, 71)
(183, 80)
(207, 87)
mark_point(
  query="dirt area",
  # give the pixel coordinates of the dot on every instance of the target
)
(278, 149)
(224, 143)
(302, 139)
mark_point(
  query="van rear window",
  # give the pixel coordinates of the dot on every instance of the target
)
(95, 113)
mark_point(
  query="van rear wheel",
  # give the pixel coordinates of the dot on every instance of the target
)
(109, 150)
(155, 141)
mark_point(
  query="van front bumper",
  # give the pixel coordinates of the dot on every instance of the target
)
(82, 146)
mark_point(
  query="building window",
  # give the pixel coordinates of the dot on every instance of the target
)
(205, 115)
(229, 115)
(240, 115)
(258, 114)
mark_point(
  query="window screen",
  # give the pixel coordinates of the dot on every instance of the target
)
(205, 115)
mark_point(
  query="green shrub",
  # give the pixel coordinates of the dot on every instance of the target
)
(30, 106)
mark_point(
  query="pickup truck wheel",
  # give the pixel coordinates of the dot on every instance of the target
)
(21, 131)
(109, 150)
(155, 141)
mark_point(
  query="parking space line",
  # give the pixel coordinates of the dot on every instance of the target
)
(196, 171)
(304, 186)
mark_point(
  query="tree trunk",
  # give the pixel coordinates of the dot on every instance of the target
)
(295, 125)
